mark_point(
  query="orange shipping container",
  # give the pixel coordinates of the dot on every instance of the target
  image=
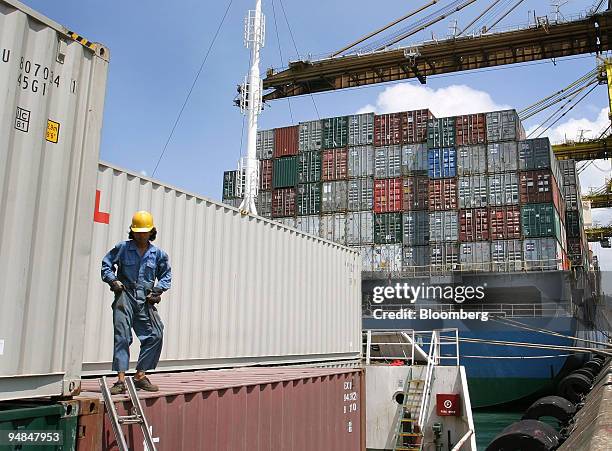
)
(286, 141)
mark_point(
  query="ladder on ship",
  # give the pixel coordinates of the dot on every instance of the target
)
(408, 433)
(137, 415)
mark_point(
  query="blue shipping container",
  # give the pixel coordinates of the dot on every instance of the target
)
(442, 162)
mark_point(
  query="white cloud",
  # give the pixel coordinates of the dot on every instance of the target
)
(449, 101)
(571, 128)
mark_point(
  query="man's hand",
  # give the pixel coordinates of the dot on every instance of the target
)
(116, 286)
(154, 297)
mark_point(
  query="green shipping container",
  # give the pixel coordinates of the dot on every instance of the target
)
(441, 132)
(540, 220)
(388, 228)
(230, 185)
(25, 417)
(285, 172)
(309, 167)
(335, 132)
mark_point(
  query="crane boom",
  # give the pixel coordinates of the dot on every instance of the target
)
(538, 42)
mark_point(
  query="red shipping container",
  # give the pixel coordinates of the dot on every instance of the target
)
(390, 129)
(416, 126)
(265, 174)
(505, 222)
(286, 141)
(443, 194)
(538, 187)
(388, 195)
(471, 129)
(250, 409)
(335, 164)
(283, 202)
(474, 225)
(416, 193)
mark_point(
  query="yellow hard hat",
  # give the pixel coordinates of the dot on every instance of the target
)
(142, 221)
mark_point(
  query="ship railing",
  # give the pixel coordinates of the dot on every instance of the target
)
(435, 269)
(411, 346)
(510, 310)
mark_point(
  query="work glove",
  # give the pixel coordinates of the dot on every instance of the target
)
(116, 286)
(154, 297)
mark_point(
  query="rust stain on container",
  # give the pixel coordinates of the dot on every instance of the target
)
(250, 409)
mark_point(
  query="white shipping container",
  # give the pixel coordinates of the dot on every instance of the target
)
(414, 159)
(264, 145)
(310, 136)
(361, 161)
(245, 290)
(52, 92)
(367, 257)
(334, 196)
(388, 162)
(506, 255)
(542, 254)
(361, 194)
(443, 226)
(473, 191)
(361, 129)
(471, 160)
(502, 157)
(503, 189)
(360, 228)
(333, 228)
(475, 256)
(387, 258)
(309, 224)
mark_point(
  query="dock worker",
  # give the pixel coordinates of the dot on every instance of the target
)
(138, 273)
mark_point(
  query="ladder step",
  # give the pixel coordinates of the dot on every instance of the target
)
(410, 434)
(409, 420)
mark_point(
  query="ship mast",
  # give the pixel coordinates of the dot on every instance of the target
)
(251, 105)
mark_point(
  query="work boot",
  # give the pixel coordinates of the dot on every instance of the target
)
(145, 384)
(118, 388)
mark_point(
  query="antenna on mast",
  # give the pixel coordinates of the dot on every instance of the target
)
(251, 105)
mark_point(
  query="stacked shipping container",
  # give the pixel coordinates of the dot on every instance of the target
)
(421, 194)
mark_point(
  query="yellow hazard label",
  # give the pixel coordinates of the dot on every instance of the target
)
(52, 131)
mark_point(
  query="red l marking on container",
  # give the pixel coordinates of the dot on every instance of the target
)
(100, 216)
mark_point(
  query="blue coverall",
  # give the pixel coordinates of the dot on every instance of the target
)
(130, 309)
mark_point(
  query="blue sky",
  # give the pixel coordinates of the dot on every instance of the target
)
(157, 47)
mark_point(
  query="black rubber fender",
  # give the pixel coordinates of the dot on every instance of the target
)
(551, 406)
(599, 358)
(526, 435)
(573, 387)
(594, 365)
(585, 372)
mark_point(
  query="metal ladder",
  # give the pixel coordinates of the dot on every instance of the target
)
(137, 416)
(407, 428)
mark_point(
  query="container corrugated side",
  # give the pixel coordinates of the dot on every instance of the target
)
(361, 161)
(540, 220)
(542, 254)
(283, 202)
(308, 199)
(245, 290)
(284, 173)
(49, 142)
(538, 187)
(502, 157)
(504, 126)
(286, 141)
(473, 191)
(249, 409)
(361, 194)
(361, 129)
(360, 228)
(535, 154)
(310, 136)
(388, 195)
(335, 164)
(472, 160)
